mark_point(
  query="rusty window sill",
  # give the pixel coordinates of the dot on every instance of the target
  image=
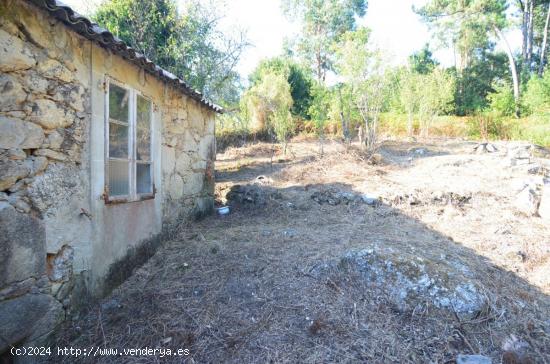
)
(118, 201)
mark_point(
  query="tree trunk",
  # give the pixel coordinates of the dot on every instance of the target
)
(410, 124)
(524, 6)
(531, 15)
(513, 69)
(344, 120)
(544, 42)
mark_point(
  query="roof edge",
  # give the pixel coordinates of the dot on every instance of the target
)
(103, 37)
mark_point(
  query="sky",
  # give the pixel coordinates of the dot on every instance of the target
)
(395, 28)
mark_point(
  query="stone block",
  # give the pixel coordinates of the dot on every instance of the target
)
(194, 183)
(50, 115)
(53, 69)
(60, 265)
(190, 143)
(28, 318)
(176, 187)
(207, 148)
(14, 55)
(17, 289)
(19, 134)
(12, 94)
(22, 246)
(13, 154)
(39, 164)
(50, 154)
(527, 201)
(183, 163)
(544, 207)
(11, 171)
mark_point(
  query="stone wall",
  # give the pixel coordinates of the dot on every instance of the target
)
(44, 119)
(189, 148)
(57, 235)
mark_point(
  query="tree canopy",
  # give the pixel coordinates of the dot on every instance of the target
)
(323, 23)
(187, 41)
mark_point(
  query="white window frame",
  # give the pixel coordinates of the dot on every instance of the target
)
(132, 150)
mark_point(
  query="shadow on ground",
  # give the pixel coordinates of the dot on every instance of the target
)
(284, 278)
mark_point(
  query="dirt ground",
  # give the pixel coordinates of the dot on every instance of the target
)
(267, 283)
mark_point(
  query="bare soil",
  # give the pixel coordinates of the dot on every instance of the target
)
(243, 288)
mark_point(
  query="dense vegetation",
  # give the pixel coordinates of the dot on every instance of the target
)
(330, 79)
(187, 41)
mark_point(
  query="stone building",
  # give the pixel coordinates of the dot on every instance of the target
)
(101, 152)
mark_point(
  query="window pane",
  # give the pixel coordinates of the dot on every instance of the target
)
(143, 178)
(118, 141)
(143, 112)
(118, 178)
(143, 145)
(143, 134)
(118, 103)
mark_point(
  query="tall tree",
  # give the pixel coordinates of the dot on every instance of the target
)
(527, 10)
(544, 40)
(456, 24)
(269, 102)
(468, 20)
(299, 78)
(365, 71)
(422, 61)
(188, 43)
(409, 90)
(323, 22)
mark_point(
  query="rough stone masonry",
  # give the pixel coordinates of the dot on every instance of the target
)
(59, 239)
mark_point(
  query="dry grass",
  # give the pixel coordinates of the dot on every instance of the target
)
(239, 288)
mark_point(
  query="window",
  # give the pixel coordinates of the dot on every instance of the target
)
(128, 144)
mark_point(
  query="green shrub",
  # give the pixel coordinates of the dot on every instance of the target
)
(487, 126)
(502, 100)
(537, 94)
(535, 129)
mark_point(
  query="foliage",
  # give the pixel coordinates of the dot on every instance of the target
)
(323, 23)
(409, 91)
(422, 61)
(189, 45)
(435, 97)
(501, 101)
(537, 95)
(465, 25)
(365, 71)
(476, 81)
(297, 76)
(319, 110)
(270, 100)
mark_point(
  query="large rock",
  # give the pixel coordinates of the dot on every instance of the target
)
(183, 163)
(14, 55)
(28, 317)
(544, 207)
(22, 246)
(12, 94)
(207, 148)
(51, 154)
(53, 69)
(11, 171)
(473, 359)
(20, 134)
(527, 201)
(50, 115)
(193, 183)
(408, 281)
(195, 117)
(190, 143)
